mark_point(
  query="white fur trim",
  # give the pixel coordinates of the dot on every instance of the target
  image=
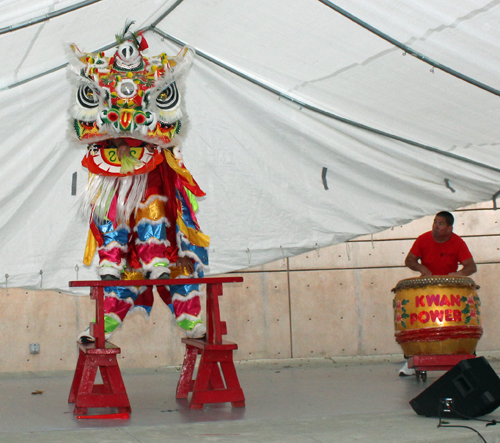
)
(148, 267)
(202, 267)
(151, 199)
(113, 268)
(188, 317)
(183, 298)
(145, 221)
(129, 300)
(83, 114)
(123, 226)
(108, 270)
(157, 271)
(113, 245)
(152, 240)
(172, 115)
(189, 254)
(182, 238)
(139, 309)
(199, 330)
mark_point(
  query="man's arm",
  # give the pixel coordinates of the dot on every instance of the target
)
(412, 261)
(469, 267)
(122, 147)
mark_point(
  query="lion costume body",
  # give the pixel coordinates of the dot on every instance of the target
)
(140, 197)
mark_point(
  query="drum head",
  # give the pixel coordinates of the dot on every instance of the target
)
(435, 280)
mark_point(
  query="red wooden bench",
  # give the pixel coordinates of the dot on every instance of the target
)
(101, 355)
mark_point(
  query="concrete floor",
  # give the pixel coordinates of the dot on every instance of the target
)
(317, 400)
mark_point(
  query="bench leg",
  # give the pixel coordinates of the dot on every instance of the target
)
(85, 388)
(75, 386)
(233, 383)
(216, 380)
(216, 384)
(185, 384)
(201, 383)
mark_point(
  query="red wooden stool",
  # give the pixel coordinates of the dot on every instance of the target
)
(216, 380)
(84, 393)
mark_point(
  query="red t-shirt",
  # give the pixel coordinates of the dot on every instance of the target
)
(440, 258)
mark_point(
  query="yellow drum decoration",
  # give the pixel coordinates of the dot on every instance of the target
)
(437, 315)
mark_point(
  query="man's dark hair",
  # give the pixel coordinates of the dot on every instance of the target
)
(447, 216)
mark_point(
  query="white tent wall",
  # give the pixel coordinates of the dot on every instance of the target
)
(330, 302)
(329, 133)
(259, 158)
(260, 162)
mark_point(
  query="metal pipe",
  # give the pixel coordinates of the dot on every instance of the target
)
(167, 12)
(322, 111)
(57, 68)
(409, 50)
(268, 87)
(44, 18)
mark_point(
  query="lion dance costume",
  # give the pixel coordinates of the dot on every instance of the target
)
(141, 198)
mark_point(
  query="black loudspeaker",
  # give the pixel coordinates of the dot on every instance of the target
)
(469, 389)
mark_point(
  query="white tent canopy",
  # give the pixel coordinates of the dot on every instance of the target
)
(307, 127)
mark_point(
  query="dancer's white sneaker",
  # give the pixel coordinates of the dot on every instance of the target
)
(405, 370)
(199, 331)
(85, 336)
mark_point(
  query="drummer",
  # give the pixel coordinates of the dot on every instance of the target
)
(439, 252)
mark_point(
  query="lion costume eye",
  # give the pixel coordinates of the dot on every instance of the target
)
(168, 98)
(87, 97)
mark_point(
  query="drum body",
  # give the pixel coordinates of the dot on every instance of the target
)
(437, 315)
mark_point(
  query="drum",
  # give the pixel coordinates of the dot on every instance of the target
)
(437, 315)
